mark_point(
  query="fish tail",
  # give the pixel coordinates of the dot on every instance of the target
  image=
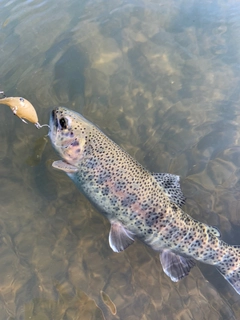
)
(229, 267)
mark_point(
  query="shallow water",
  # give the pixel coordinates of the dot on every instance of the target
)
(161, 78)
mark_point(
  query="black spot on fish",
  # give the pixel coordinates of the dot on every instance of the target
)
(75, 143)
(120, 185)
(113, 201)
(103, 177)
(105, 191)
(91, 163)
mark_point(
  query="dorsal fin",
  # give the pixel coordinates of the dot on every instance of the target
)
(170, 184)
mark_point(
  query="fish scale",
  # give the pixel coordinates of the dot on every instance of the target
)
(137, 203)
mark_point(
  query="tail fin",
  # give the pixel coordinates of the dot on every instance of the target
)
(230, 270)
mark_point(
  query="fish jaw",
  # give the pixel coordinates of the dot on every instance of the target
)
(67, 133)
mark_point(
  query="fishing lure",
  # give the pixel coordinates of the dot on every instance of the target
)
(22, 108)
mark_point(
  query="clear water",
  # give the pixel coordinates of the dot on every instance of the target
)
(161, 78)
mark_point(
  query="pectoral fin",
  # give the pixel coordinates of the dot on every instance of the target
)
(64, 166)
(119, 237)
(176, 267)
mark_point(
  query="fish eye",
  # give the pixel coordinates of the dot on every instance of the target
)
(63, 123)
(21, 99)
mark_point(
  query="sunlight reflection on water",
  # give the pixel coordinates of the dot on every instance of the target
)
(161, 78)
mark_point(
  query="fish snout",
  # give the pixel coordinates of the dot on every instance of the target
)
(53, 119)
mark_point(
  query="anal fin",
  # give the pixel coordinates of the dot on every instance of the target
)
(175, 266)
(119, 237)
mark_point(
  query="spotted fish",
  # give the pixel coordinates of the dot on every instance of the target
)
(138, 204)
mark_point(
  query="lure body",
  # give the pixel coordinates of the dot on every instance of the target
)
(22, 108)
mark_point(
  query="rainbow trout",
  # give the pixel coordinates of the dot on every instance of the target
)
(138, 204)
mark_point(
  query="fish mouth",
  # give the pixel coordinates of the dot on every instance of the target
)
(53, 119)
(53, 124)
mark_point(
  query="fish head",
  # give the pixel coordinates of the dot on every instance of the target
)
(68, 133)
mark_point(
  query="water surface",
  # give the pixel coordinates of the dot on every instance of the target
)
(161, 78)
